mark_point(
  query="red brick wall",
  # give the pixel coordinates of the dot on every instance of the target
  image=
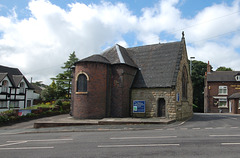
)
(122, 79)
(94, 103)
(213, 89)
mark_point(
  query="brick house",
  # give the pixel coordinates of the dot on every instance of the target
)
(145, 81)
(15, 90)
(221, 92)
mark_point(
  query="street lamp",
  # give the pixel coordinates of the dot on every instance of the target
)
(191, 59)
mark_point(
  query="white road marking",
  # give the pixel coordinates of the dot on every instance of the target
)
(136, 145)
(19, 142)
(27, 148)
(196, 128)
(158, 129)
(181, 123)
(209, 128)
(230, 143)
(145, 137)
(171, 129)
(234, 127)
(224, 135)
(43, 140)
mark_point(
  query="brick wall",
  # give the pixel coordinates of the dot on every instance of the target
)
(92, 104)
(122, 79)
(212, 90)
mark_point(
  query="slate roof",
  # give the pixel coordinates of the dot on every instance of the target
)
(118, 55)
(95, 58)
(158, 64)
(222, 76)
(234, 96)
(14, 75)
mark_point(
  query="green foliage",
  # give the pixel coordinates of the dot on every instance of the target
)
(48, 109)
(198, 74)
(63, 80)
(59, 102)
(222, 68)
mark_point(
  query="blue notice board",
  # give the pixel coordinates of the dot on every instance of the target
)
(139, 106)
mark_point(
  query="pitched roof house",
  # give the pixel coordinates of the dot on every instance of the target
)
(15, 90)
(222, 92)
(145, 81)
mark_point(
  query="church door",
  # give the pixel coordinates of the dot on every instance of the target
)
(161, 107)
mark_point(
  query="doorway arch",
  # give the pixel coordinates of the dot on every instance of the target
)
(161, 107)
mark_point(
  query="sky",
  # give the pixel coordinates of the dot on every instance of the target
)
(37, 36)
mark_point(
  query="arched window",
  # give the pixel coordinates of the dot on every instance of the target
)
(5, 86)
(22, 87)
(82, 83)
(184, 83)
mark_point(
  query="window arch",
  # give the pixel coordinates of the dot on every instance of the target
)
(22, 87)
(82, 79)
(5, 86)
(184, 83)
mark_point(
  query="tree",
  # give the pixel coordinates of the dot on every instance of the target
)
(63, 80)
(198, 74)
(223, 68)
(49, 93)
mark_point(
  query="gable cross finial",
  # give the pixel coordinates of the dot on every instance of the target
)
(182, 34)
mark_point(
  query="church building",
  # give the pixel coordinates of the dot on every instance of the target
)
(144, 81)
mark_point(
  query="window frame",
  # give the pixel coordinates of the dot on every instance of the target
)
(2, 106)
(14, 104)
(222, 100)
(184, 83)
(237, 77)
(221, 89)
(77, 83)
(22, 88)
(5, 86)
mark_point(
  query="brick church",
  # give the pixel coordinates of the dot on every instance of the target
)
(145, 81)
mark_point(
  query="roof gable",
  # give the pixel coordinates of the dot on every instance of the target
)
(2, 76)
(14, 75)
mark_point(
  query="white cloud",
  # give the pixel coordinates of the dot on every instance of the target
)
(40, 44)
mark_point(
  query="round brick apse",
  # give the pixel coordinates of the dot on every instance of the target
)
(91, 103)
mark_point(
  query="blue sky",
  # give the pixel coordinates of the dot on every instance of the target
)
(38, 36)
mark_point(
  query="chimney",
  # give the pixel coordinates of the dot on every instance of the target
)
(208, 67)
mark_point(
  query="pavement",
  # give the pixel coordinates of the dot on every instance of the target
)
(67, 120)
(66, 123)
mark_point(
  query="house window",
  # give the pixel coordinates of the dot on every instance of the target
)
(14, 104)
(237, 78)
(22, 87)
(222, 90)
(184, 83)
(3, 104)
(222, 102)
(5, 86)
(82, 83)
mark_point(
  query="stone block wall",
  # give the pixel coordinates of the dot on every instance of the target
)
(184, 107)
(151, 97)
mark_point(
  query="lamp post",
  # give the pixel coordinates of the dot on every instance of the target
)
(191, 59)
